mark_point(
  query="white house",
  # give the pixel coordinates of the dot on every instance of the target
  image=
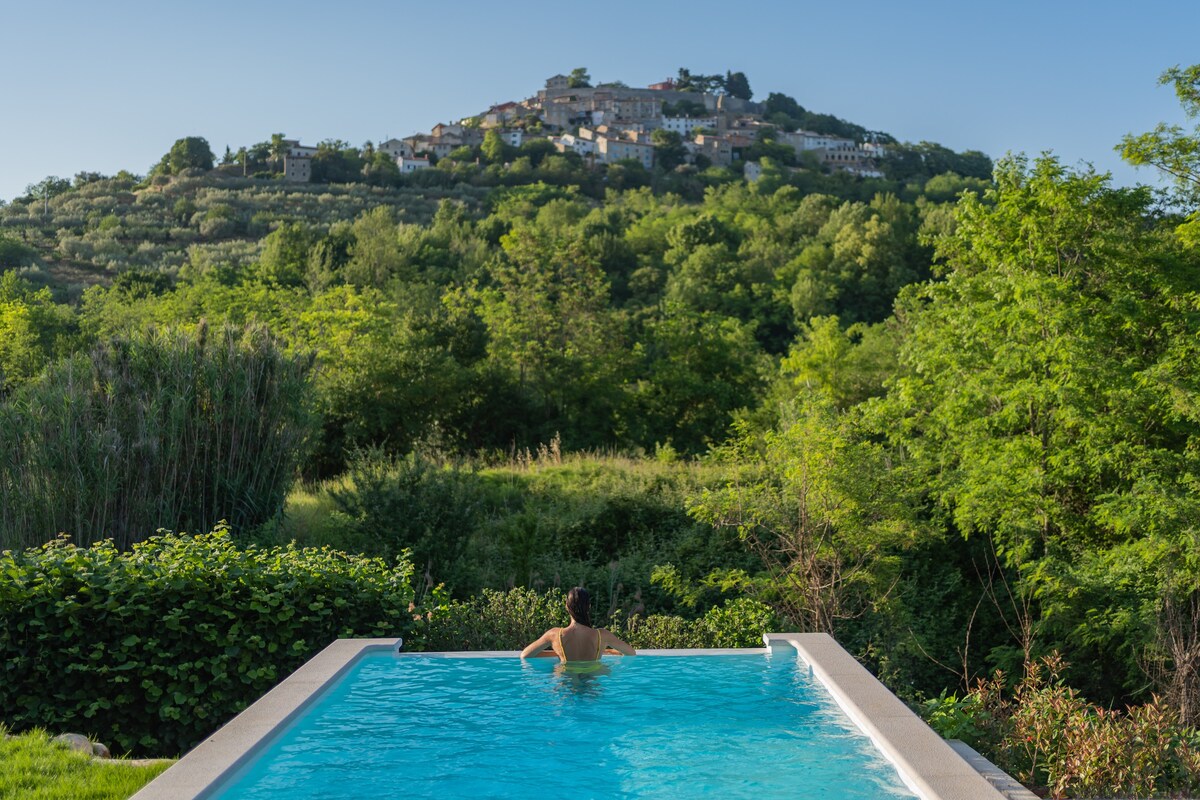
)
(411, 164)
(584, 147)
(686, 126)
(807, 140)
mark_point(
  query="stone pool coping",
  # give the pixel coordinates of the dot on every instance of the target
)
(926, 762)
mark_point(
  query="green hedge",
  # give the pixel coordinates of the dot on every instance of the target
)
(510, 620)
(153, 649)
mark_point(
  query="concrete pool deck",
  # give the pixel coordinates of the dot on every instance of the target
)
(927, 763)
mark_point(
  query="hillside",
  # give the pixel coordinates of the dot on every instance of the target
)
(192, 212)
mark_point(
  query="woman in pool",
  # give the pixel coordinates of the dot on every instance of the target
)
(579, 641)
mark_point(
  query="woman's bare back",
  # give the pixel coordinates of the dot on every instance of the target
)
(578, 643)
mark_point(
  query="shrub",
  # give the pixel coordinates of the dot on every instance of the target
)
(1051, 739)
(409, 503)
(155, 648)
(510, 620)
(490, 621)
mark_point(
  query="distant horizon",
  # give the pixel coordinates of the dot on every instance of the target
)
(124, 81)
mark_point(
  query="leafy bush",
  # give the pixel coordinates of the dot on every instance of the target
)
(1050, 738)
(155, 648)
(398, 504)
(510, 620)
(490, 621)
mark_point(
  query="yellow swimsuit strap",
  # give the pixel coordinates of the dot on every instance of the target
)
(561, 651)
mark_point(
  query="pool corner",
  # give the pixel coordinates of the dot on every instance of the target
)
(926, 762)
(202, 768)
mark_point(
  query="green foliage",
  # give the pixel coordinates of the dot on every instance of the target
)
(1049, 738)
(383, 378)
(1040, 404)
(154, 429)
(15, 254)
(1174, 150)
(928, 159)
(553, 334)
(712, 360)
(669, 151)
(160, 646)
(284, 259)
(493, 620)
(495, 149)
(33, 331)
(848, 366)
(858, 261)
(966, 719)
(396, 505)
(191, 152)
(738, 85)
(822, 510)
(510, 620)
(790, 115)
(545, 520)
(579, 79)
(687, 82)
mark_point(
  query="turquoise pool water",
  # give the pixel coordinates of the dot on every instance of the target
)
(725, 726)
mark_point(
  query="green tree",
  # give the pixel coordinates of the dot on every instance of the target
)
(778, 103)
(375, 255)
(579, 79)
(284, 259)
(34, 330)
(14, 253)
(847, 366)
(46, 189)
(818, 504)
(552, 333)
(495, 149)
(1042, 396)
(278, 150)
(383, 380)
(191, 152)
(737, 85)
(1174, 150)
(669, 151)
(700, 369)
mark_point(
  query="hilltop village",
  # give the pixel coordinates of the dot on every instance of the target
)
(609, 123)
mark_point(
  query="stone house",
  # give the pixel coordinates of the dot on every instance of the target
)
(396, 148)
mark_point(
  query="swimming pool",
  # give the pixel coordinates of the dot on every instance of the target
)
(719, 725)
(791, 720)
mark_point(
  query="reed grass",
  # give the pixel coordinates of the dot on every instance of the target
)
(159, 430)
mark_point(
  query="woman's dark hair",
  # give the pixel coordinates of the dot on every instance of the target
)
(579, 606)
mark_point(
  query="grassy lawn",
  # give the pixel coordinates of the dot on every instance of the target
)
(34, 768)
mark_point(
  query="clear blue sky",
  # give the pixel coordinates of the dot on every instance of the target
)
(109, 86)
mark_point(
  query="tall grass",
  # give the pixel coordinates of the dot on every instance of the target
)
(157, 430)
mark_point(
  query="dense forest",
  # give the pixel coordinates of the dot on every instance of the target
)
(951, 419)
